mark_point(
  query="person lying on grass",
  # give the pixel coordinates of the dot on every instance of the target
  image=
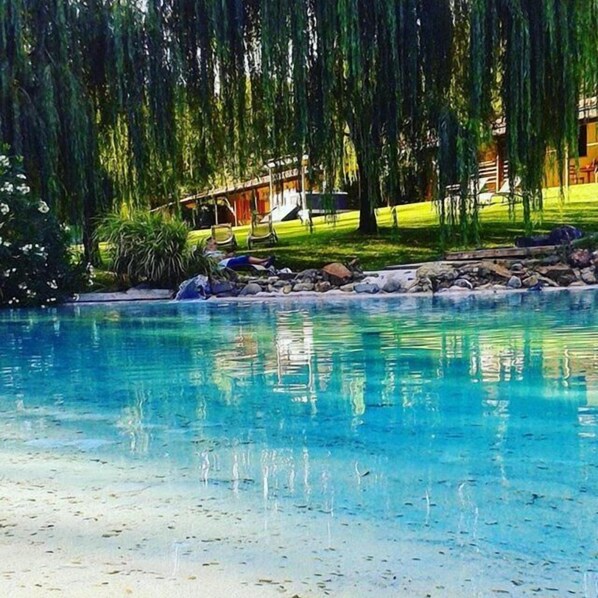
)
(232, 261)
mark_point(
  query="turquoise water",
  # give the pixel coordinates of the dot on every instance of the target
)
(417, 446)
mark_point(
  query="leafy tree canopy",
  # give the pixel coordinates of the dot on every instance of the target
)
(130, 101)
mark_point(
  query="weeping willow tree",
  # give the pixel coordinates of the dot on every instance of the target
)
(130, 102)
(530, 62)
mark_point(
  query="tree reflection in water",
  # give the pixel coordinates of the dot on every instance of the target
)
(444, 413)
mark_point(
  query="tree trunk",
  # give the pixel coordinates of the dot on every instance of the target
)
(91, 248)
(369, 192)
(367, 215)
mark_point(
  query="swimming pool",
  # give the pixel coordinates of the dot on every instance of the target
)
(412, 446)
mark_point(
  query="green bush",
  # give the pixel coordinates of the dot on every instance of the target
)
(37, 267)
(150, 247)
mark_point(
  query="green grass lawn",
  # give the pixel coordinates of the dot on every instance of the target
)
(417, 236)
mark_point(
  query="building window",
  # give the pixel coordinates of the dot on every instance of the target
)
(582, 141)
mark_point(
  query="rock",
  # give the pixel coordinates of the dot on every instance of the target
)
(286, 275)
(392, 285)
(250, 289)
(456, 289)
(323, 286)
(514, 282)
(347, 288)
(310, 275)
(303, 286)
(496, 269)
(366, 287)
(280, 284)
(577, 283)
(463, 283)
(223, 288)
(436, 270)
(516, 267)
(287, 289)
(473, 268)
(426, 284)
(415, 288)
(530, 281)
(337, 273)
(551, 260)
(561, 274)
(580, 258)
(588, 275)
(547, 281)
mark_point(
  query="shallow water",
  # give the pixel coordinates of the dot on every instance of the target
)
(391, 447)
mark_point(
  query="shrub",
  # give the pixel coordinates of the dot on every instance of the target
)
(37, 267)
(150, 247)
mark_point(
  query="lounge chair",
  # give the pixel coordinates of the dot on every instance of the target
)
(484, 196)
(262, 230)
(507, 193)
(224, 236)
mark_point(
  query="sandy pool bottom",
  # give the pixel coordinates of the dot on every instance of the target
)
(75, 525)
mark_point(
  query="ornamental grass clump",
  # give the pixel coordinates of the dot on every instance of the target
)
(151, 248)
(37, 266)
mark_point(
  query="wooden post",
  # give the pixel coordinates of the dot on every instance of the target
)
(271, 193)
(303, 198)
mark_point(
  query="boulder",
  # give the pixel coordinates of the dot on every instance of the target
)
(561, 274)
(323, 286)
(588, 275)
(497, 269)
(224, 288)
(287, 289)
(436, 270)
(530, 281)
(551, 260)
(463, 283)
(547, 281)
(303, 286)
(392, 285)
(282, 275)
(309, 275)
(250, 289)
(514, 282)
(366, 287)
(415, 288)
(347, 288)
(580, 258)
(337, 273)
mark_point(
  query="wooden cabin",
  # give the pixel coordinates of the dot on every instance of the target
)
(494, 166)
(284, 191)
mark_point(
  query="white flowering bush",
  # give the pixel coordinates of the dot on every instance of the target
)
(36, 266)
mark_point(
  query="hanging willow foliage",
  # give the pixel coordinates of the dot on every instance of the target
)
(131, 101)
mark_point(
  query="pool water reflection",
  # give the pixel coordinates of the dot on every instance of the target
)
(461, 432)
